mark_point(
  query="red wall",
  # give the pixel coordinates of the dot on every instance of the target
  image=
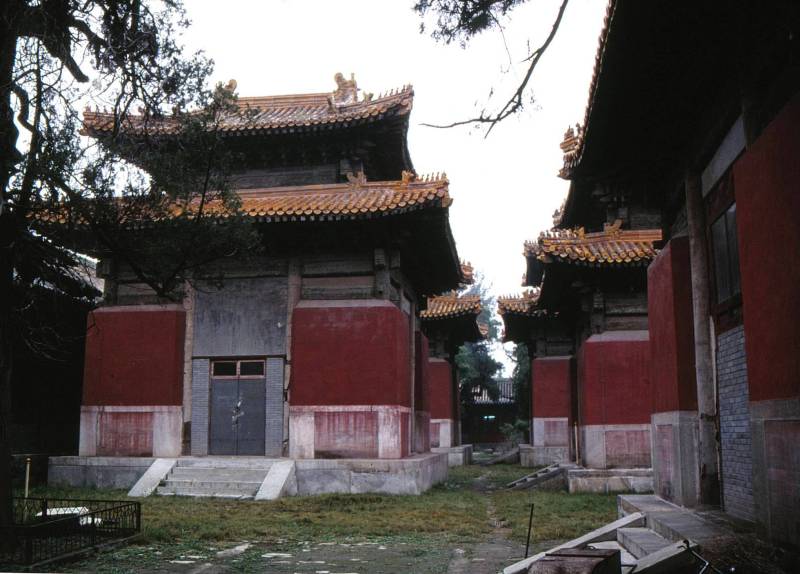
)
(134, 356)
(669, 308)
(350, 355)
(767, 183)
(552, 387)
(613, 378)
(441, 385)
(422, 388)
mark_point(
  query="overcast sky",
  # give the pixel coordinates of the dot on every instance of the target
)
(504, 187)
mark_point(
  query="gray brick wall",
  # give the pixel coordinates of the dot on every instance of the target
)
(200, 372)
(273, 431)
(734, 414)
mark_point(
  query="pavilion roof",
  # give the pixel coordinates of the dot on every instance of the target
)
(323, 202)
(612, 246)
(452, 305)
(278, 114)
(525, 304)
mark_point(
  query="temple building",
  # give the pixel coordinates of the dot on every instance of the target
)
(449, 321)
(695, 109)
(586, 328)
(314, 349)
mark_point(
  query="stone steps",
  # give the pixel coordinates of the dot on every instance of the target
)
(641, 541)
(217, 478)
(238, 493)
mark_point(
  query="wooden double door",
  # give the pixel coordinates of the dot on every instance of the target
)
(238, 402)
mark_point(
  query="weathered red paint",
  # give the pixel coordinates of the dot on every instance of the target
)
(350, 355)
(613, 379)
(767, 179)
(343, 434)
(552, 387)
(422, 390)
(422, 432)
(627, 448)
(441, 384)
(125, 434)
(669, 309)
(134, 356)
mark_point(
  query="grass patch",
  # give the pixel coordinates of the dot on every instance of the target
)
(557, 515)
(455, 512)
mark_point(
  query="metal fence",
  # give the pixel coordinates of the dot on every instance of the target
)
(46, 529)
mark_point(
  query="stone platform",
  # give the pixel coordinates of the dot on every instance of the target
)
(411, 475)
(456, 455)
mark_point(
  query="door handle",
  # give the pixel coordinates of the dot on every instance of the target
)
(237, 412)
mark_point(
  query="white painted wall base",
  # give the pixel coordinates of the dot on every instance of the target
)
(445, 432)
(600, 445)
(166, 429)
(302, 428)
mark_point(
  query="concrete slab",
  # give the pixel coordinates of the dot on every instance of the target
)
(628, 503)
(280, 481)
(152, 477)
(673, 559)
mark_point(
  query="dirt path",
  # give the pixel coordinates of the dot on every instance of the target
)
(493, 554)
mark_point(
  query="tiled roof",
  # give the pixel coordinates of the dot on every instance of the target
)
(346, 200)
(280, 114)
(525, 304)
(612, 246)
(573, 146)
(451, 305)
(324, 202)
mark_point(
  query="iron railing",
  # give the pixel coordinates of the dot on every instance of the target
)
(47, 529)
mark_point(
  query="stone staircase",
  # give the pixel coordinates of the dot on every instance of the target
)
(650, 535)
(634, 544)
(553, 475)
(217, 477)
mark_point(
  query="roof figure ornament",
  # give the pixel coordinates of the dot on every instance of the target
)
(346, 90)
(356, 179)
(408, 176)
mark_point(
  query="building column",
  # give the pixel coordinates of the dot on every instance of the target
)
(708, 447)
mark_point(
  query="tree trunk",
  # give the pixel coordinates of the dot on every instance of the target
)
(9, 156)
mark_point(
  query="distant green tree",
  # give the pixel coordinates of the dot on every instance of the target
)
(521, 379)
(477, 369)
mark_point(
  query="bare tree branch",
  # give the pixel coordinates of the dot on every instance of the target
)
(515, 102)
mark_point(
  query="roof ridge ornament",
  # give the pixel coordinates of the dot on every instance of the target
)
(346, 90)
(408, 176)
(356, 179)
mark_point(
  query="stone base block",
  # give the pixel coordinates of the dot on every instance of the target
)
(456, 455)
(615, 446)
(639, 480)
(675, 467)
(442, 432)
(412, 475)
